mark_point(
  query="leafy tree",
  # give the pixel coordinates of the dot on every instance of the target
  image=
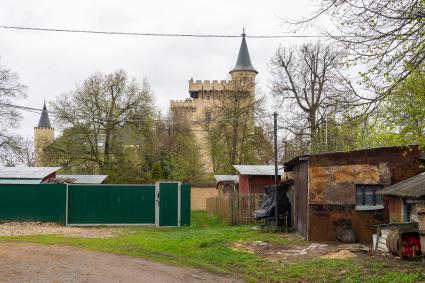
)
(183, 161)
(143, 146)
(96, 114)
(406, 110)
(156, 172)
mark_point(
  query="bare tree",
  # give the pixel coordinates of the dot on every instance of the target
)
(10, 89)
(25, 153)
(386, 35)
(309, 85)
(230, 123)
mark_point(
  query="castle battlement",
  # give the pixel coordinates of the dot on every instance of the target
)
(208, 85)
(182, 103)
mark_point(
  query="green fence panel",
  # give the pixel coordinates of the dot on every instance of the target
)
(40, 202)
(111, 204)
(168, 203)
(185, 204)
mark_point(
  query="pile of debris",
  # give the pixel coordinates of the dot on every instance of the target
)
(60, 181)
(275, 251)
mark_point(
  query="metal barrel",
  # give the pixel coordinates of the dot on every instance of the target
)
(393, 241)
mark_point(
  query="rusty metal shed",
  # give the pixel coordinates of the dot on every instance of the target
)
(341, 188)
(405, 198)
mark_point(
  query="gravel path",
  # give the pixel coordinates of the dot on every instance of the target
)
(38, 228)
(25, 262)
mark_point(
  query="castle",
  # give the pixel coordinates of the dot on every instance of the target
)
(44, 135)
(204, 96)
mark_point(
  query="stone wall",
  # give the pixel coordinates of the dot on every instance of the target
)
(42, 137)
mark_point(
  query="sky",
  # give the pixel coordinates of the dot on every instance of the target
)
(54, 63)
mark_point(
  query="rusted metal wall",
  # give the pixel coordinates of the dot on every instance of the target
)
(332, 188)
(395, 208)
(324, 219)
(300, 198)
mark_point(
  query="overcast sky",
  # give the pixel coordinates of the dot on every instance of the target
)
(54, 63)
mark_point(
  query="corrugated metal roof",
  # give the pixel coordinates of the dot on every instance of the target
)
(85, 179)
(304, 157)
(413, 187)
(20, 181)
(26, 172)
(223, 178)
(261, 170)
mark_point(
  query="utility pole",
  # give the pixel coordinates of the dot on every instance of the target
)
(275, 169)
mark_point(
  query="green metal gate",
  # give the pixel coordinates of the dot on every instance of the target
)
(168, 209)
(170, 212)
(185, 204)
(111, 204)
(162, 204)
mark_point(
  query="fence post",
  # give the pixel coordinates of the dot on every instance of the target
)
(179, 204)
(66, 205)
(157, 204)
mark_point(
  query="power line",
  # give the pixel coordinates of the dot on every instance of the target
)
(161, 34)
(103, 119)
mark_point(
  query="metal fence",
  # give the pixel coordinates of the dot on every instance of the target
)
(235, 208)
(161, 204)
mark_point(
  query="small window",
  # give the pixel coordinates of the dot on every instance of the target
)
(367, 197)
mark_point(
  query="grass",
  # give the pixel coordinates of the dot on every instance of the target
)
(208, 244)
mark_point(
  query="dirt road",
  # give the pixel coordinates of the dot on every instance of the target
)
(25, 262)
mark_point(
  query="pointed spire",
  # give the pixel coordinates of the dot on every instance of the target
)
(44, 121)
(244, 61)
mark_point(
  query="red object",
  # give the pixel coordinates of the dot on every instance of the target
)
(411, 245)
(254, 184)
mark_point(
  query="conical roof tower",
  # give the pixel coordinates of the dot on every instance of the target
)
(44, 136)
(243, 63)
(44, 121)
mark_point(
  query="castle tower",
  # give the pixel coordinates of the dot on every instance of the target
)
(44, 135)
(243, 67)
(243, 77)
(204, 96)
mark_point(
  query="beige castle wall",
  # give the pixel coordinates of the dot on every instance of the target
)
(209, 93)
(196, 110)
(42, 138)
